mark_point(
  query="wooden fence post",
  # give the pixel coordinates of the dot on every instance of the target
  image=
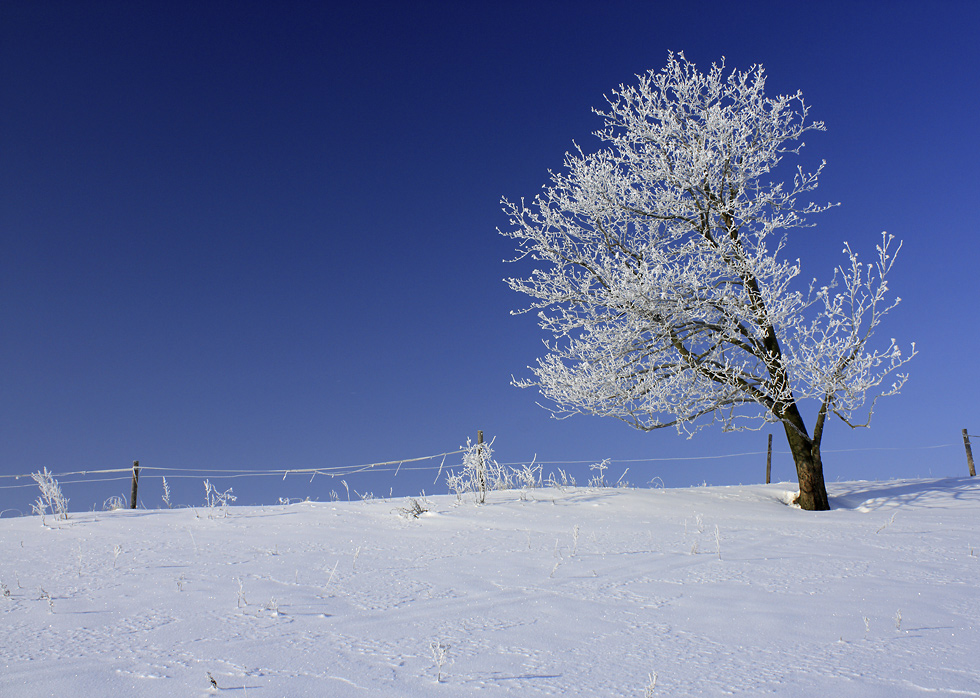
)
(969, 453)
(769, 461)
(136, 480)
(480, 472)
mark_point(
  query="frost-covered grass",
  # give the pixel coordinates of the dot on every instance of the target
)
(572, 592)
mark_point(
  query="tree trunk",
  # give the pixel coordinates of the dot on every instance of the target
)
(809, 467)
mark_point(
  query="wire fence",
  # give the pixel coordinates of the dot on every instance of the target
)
(230, 473)
(392, 466)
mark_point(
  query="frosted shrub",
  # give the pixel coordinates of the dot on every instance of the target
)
(114, 503)
(600, 479)
(481, 473)
(214, 498)
(528, 477)
(414, 508)
(457, 485)
(52, 499)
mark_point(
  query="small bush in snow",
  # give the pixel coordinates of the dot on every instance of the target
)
(52, 499)
(114, 503)
(414, 508)
(481, 474)
(527, 477)
(213, 498)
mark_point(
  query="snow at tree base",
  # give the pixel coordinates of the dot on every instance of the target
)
(539, 592)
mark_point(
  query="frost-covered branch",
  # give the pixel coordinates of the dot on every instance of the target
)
(831, 355)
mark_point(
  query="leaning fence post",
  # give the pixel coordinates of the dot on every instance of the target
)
(769, 461)
(969, 453)
(136, 479)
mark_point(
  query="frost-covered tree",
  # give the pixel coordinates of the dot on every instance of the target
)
(659, 271)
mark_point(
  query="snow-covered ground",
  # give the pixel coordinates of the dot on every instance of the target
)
(583, 592)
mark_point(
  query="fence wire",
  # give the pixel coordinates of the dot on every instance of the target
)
(394, 466)
(226, 473)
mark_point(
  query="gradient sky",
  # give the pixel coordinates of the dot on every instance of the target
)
(263, 235)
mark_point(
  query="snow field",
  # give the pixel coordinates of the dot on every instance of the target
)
(574, 592)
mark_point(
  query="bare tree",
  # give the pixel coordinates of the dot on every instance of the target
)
(658, 270)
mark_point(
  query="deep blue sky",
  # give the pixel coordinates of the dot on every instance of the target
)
(262, 235)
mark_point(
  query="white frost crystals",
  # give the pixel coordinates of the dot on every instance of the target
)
(658, 268)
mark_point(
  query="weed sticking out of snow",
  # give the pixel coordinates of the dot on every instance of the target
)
(651, 685)
(440, 656)
(332, 573)
(193, 541)
(52, 499)
(166, 494)
(560, 480)
(599, 480)
(887, 523)
(216, 500)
